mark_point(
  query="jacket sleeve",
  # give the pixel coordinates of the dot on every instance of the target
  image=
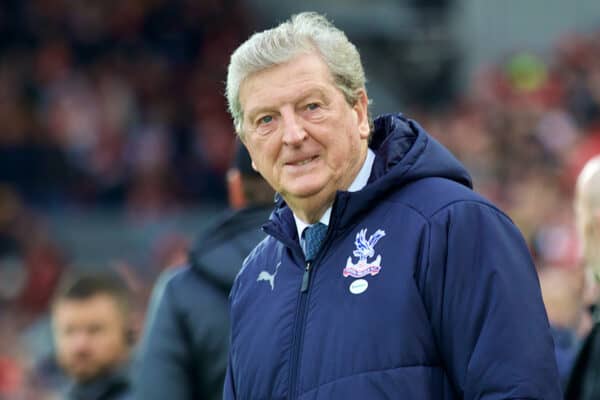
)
(229, 387)
(229, 390)
(164, 360)
(482, 292)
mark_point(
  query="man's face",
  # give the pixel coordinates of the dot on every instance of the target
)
(302, 135)
(89, 335)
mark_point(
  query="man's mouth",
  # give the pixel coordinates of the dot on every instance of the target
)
(303, 162)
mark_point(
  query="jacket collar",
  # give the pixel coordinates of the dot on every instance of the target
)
(106, 386)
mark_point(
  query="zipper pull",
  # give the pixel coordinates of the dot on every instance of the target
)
(305, 278)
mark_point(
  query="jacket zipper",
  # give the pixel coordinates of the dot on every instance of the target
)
(305, 278)
(299, 332)
(301, 312)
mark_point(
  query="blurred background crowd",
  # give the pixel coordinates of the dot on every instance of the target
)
(114, 139)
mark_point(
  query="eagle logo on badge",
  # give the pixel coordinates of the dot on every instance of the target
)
(365, 249)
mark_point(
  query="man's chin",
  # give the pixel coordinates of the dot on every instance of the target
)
(83, 373)
(305, 190)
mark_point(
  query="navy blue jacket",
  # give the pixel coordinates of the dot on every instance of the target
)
(584, 380)
(437, 299)
(184, 351)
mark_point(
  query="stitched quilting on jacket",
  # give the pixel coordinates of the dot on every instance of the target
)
(422, 290)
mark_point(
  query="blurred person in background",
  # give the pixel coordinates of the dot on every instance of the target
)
(31, 265)
(563, 294)
(93, 339)
(383, 274)
(584, 383)
(184, 350)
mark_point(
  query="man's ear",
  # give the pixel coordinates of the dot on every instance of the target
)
(361, 111)
(235, 189)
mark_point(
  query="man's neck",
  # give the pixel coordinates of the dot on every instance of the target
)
(313, 214)
(97, 387)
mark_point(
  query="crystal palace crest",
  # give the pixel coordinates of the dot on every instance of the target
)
(365, 250)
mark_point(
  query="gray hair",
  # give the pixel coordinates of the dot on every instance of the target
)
(306, 32)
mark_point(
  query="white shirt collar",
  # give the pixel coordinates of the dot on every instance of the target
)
(359, 182)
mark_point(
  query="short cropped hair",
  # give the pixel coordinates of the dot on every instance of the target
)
(257, 191)
(303, 33)
(84, 287)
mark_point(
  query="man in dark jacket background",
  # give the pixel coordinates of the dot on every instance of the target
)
(584, 382)
(383, 275)
(184, 351)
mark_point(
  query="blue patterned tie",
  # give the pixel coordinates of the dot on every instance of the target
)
(313, 237)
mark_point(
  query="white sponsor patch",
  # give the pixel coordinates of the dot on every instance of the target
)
(358, 286)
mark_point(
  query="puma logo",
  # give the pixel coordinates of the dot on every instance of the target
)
(266, 276)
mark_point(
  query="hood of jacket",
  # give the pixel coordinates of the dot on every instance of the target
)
(404, 152)
(219, 251)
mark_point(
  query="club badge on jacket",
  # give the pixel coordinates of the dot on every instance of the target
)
(365, 250)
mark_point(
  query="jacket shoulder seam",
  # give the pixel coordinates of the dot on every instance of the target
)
(443, 207)
(467, 201)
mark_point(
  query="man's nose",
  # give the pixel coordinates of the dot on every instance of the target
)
(293, 131)
(80, 340)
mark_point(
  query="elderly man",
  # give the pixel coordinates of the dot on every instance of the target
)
(584, 383)
(383, 275)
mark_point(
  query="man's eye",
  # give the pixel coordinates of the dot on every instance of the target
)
(312, 106)
(68, 331)
(265, 120)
